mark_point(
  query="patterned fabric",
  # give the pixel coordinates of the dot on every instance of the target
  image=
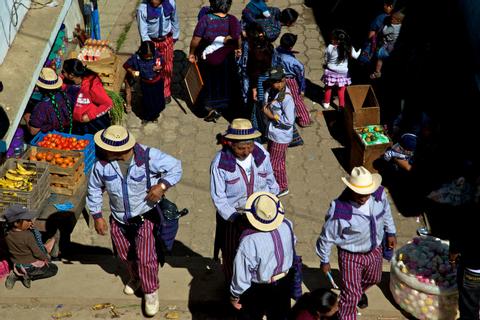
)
(271, 25)
(301, 110)
(166, 51)
(278, 156)
(291, 66)
(43, 115)
(297, 139)
(332, 78)
(211, 26)
(359, 271)
(145, 67)
(141, 243)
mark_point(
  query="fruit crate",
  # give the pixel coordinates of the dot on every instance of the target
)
(56, 168)
(362, 154)
(89, 151)
(30, 199)
(67, 185)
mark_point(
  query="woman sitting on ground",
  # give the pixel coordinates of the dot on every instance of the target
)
(320, 304)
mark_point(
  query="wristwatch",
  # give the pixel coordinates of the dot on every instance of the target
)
(163, 186)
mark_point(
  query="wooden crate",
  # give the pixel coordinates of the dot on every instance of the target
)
(68, 185)
(56, 168)
(30, 199)
(361, 107)
(67, 178)
(364, 155)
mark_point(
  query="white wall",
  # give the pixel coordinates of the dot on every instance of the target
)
(12, 13)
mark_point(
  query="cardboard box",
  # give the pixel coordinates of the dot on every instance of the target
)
(362, 154)
(361, 107)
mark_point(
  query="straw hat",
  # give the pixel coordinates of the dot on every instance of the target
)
(114, 138)
(49, 79)
(241, 129)
(361, 181)
(264, 211)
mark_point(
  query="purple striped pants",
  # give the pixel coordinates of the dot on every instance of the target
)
(142, 263)
(359, 272)
(278, 156)
(301, 109)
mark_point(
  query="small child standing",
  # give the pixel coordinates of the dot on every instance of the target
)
(146, 64)
(295, 76)
(30, 257)
(336, 72)
(389, 35)
(279, 110)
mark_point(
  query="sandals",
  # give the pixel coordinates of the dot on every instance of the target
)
(212, 116)
(376, 75)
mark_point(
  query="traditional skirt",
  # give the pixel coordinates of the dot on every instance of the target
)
(153, 100)
(332, 79)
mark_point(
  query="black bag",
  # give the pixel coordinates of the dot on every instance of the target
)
(168, 213)
(296, 269)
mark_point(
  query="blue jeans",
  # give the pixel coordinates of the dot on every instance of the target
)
(468, 293)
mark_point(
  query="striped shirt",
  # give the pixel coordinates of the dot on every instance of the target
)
(261, 256)
(354, 234)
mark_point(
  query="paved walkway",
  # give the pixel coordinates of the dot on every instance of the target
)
(188, 281)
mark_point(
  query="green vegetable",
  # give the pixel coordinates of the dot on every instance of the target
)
(117, 113)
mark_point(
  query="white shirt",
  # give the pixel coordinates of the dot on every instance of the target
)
(331, 56)
(246, 165)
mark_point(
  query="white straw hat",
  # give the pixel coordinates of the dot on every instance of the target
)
(241, 129)
(264, 211)
(48, 79)
(114, 138)
(361, 181)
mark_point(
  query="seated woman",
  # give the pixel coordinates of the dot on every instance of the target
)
(319, 304)
(54, 111)
(92, 103)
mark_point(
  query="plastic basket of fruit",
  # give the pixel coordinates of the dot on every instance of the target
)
(373, 134)
(69, 142)
(24, 182)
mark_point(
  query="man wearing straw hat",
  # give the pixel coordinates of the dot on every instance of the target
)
(261, 282)
(241, 168)
(357, 223)
(134, 217)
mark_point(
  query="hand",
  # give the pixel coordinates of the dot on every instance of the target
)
(452, 258)
(101, 226)
(26, 117)
(227, 38)
(85, 118)
(254, 93)
(238, 53)
(155, 193)
(135, 73)
(235, 303)
(325, 267)
(391, 242)
(192, 58)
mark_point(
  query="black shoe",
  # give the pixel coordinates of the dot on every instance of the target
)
(27, 283)
(363, 303)
(212, 116)
(10, 281)
(168, 100)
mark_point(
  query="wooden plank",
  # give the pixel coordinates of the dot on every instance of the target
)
(68, 189)
(193, 82)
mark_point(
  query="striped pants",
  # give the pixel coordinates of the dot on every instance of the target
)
(359, 272)
(165, 49)
(278, 156)
(301, 110)
(137, 250)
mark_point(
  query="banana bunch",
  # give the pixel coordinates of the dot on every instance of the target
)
(18, 179)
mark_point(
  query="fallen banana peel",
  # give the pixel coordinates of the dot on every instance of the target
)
(61, 315)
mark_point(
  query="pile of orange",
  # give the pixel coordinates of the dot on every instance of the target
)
(57, 141)
(54, 159)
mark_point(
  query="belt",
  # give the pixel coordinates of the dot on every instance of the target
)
(138, 219)
(163, 38)
(282, 126)
(277, 277)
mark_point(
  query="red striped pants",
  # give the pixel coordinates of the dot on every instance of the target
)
(138, 252)
(359, 272)
(301, 109)
(165, 49)
(278, 156)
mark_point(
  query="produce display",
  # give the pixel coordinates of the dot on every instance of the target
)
(19, 179)
(372, 135)
(54, 159)
(422, 281)
(57, 141)
(95, 50)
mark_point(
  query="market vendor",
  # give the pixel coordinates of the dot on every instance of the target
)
(92, 103)
(125, 173)
(356, 223)
(54, 111)
(241, 168)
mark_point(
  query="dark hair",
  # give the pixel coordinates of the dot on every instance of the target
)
(288, 40)
(318, 301)
(77, 68)
(1, 86)
(222, 6)
(146, 48)
(389, 2)
(343, 46)
(288, 16)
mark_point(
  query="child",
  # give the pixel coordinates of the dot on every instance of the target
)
(280, 112)
(295, 76)
(146, 64)
(316, 305)
(336, 71)
(390, 33)
(29, 255)
(401, 154)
